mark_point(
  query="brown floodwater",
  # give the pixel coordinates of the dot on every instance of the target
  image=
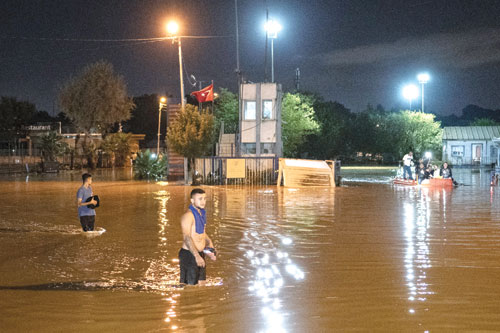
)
(364, 256)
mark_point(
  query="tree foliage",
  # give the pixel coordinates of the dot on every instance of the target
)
(417, 132)
(374, 133)
(96, 98)
(53, 146)
(226, 110)
(148, 166)
(331, 140)
(14, 115)
(484, 122)
(298, 121)
(190, 135)
(144, 118)
(117, 146)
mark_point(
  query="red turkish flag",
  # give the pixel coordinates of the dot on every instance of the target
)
(204, 95)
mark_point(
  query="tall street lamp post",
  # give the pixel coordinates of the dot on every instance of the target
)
(173, 28)
(272, 28)
(410, 92)
(163, 103)
(423, 78)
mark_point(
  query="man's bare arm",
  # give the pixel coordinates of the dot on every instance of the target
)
(187, 221)
(208, 241)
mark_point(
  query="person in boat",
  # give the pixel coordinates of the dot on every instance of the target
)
(445, 171)
(196, 243)
(417, 168)
(421, 173)
(433, 170)
(407, 162)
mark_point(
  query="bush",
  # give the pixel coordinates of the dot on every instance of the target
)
(117, 147)
(149, 166)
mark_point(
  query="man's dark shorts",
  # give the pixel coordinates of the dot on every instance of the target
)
(190, 272)
(87, 222)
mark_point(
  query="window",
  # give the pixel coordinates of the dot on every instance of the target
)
(493, 153)
(457, 151)
(250, 113)
(267, 109)
(249, 148)
(267, 148)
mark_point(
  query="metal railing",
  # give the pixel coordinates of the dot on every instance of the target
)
(258, 171)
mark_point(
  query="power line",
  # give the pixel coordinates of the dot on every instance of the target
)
(111, 40)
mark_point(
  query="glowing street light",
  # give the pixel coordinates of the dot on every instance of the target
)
(172, 29)
(410, 92)
(272, 28)
(163, 103)
(423, 78)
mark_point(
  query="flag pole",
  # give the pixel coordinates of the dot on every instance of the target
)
(213, 96)
(200, 104)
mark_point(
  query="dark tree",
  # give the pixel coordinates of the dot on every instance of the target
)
(14, 115)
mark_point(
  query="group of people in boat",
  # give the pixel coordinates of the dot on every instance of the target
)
(424, 169)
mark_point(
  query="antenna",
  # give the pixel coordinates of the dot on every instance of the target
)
(297, 79)
(265, 49)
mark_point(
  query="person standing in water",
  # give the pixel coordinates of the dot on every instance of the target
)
(86, 214)
(407, 161)
(196, 242)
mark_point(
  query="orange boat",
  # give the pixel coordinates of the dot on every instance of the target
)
(432, 182)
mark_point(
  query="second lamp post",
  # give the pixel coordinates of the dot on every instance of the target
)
(173, 28)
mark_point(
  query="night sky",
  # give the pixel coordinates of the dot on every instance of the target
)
(353, 51)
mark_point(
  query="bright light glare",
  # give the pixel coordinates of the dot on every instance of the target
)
(163, 100)
(410, 92)
(153, 156)
(428, 154)
(272, 27)
(423, 78)
(172, 27)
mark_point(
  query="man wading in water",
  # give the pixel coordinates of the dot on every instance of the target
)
(86, 214)
(196, 242)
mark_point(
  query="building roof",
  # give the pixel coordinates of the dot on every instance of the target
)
(471, 132)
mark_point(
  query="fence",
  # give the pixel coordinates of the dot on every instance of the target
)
(255, 171)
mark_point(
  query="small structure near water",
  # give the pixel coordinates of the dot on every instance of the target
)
(470, 145)
(300, 173)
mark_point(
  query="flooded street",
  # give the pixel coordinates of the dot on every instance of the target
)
(364, 256)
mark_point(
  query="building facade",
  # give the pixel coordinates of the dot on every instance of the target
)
(471, 145)
(260, 119)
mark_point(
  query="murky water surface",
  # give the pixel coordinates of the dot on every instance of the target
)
(364, 256)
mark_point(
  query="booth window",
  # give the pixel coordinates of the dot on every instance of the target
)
(249, 148)
(267, 148)
(267, 109)
(250, 113)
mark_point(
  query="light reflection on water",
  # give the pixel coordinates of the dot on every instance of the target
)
(268, 281)
(417, 261)
(350, 258)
